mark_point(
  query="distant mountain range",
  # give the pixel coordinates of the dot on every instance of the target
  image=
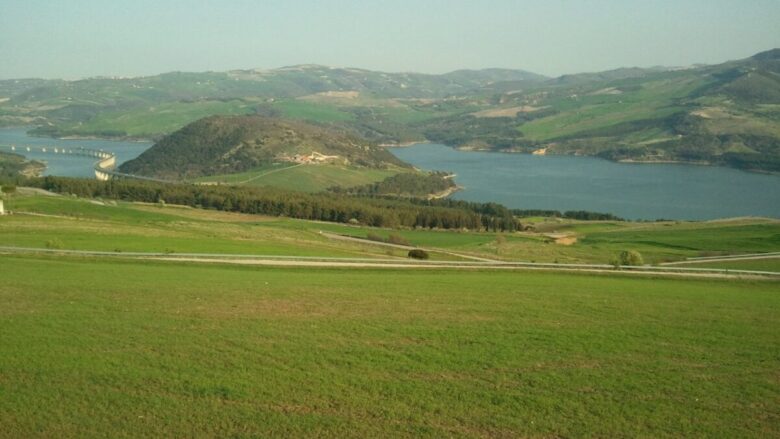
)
(725, 114)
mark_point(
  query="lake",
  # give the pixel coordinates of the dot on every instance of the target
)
(68, 165)
(633, 191)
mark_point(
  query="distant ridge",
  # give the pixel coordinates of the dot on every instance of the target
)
(724, 114)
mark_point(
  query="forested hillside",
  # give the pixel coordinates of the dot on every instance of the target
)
(224, 145)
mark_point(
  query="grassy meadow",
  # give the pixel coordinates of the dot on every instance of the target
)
(95, 348)
(116, 347)
(765, 264)
(80, 224)
(305, 178)
(73, 224)
(159, 119)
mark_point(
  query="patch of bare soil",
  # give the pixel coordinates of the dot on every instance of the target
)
(506, 112)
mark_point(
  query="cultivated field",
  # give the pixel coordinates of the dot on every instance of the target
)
(94, 348)
(79, 224)
(306, 178)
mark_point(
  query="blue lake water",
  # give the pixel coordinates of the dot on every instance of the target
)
(68, 165)
(634, 191)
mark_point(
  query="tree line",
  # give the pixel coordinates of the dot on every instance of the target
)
(405, 184)
(583, 215)
(371, 211)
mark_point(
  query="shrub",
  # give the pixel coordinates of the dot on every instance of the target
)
(418, 254)
(54, 244)
(630, 257)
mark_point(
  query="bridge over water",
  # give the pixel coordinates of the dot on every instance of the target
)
(104, 166)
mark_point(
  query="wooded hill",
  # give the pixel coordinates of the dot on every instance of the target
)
(224, 145)
(12, 165)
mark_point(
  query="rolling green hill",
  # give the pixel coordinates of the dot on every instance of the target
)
(726, 114)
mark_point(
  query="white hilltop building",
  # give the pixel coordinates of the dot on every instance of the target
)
(2, 209)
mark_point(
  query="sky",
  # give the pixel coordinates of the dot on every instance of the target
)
(73, 39)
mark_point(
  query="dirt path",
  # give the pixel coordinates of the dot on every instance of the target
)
(405, 247)
(328, 262)
(707, 259)
(445, 265)
(267, 173)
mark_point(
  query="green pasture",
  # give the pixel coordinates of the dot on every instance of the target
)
(159, 119)
(74, 224)
(312, 111)
(767, 264)
(652, 100)
(96, 348)
(306, 178)
(79, 224)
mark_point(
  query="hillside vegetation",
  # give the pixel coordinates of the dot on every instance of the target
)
(727, 114)
(12, 165)
(225, 145)
(88, 223)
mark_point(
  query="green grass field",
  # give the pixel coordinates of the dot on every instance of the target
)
(768, 264)
(654, 99)
(306, 178)
(312, 111)
(79, 224)
(160, 119)
(74, 224)
(96, 348)
(126, 348)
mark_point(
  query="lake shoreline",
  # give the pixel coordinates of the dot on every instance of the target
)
(468, 148)
(29, 131)
(677, 190)
(547, 152)
(465, 148)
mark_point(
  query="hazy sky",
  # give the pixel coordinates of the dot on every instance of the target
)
(79, 38)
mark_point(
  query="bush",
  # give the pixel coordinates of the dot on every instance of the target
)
(55, 244)
(418, 254)
(630, 257)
